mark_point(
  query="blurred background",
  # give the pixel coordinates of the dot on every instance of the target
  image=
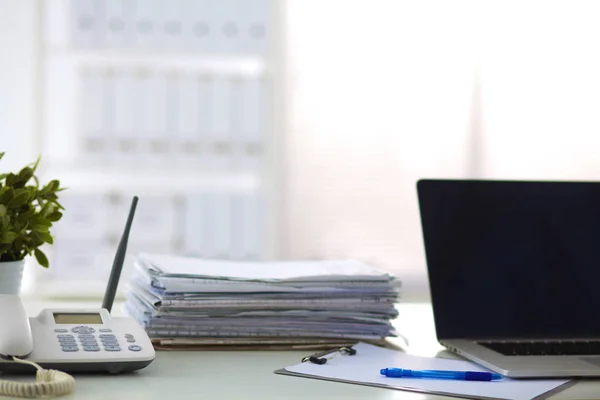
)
(290, 129)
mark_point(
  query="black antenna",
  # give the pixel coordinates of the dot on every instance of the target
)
(115, 273)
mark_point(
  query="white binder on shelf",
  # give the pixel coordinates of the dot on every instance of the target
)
(204, 115)
(237, 229)
(200, 26)
(186, 146)
(124, 108)
(145, 24)
(171, 25)
(78, 259)
(85, 23)
(196, 219)
(155, 219)
(85, 210)
(94, 117)
(118, 24)
(220, 149)
(154, 135)
(172, 105)
(221, 226)
(253, 24)
(237, 138)
(226, 37)
(252, 122)
(246, 227)
(254, 227)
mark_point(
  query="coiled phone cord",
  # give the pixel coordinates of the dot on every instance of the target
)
(48, 383)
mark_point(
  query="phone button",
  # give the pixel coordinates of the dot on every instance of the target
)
(83, 329)
(65, 336)
(70, 348)
(112, 348)
(86, 336)
(91, 348)
(62, 330)
(105, 330)
(135, 347)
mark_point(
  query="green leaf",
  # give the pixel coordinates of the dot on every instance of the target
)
(35, 165)
(41, 258)
(58, 204)
(47, 208)
(38, 227)
(54, 216)
(20, 198)
(10, 179)
(6, 194)
(27, 212)
(25, 175)
(4, 221)
(46, 237)
(9, 237)
(2, 154)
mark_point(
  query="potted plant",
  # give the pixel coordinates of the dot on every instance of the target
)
(27, 212)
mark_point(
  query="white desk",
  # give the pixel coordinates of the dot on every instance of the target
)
(249, 375)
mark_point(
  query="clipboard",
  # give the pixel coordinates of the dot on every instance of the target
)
(361, 367)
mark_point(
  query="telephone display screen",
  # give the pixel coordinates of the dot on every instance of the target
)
(69, 318)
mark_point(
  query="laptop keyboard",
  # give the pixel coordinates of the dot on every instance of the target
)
(545, 348)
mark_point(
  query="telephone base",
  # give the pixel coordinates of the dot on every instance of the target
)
(96, 367)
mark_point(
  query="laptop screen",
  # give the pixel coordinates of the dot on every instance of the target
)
(512, 259)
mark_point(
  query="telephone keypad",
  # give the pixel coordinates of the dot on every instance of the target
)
(86, 339)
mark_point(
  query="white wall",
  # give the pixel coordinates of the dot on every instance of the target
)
(18, 82)
(384, 92)
(19, 96)
(372, 112)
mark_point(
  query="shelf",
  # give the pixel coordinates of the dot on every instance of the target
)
(246, 65)
(151, 181)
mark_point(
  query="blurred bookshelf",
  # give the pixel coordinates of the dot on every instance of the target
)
(170, 100)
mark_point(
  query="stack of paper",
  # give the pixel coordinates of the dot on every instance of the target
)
(189, 302)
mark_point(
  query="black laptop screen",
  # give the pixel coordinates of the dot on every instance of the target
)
(512, 259)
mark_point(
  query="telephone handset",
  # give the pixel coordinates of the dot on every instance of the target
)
(15, 330)
(90, 340)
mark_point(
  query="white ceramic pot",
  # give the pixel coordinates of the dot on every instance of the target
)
(11, 275)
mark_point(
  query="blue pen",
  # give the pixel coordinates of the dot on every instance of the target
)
(435, 374)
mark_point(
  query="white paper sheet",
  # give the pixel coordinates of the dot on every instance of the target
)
(364, 368)
(166, 265)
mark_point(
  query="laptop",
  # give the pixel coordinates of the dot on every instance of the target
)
(514, 273)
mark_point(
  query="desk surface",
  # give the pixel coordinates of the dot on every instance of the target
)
(249, 374)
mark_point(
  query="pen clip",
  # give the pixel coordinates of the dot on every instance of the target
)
(318, 358)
